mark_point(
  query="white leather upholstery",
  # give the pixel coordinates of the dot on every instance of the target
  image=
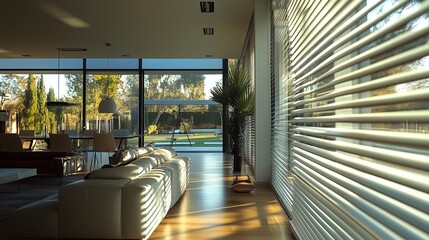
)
(129, 171)
(91, 209)
(146, 204)
(124, 202)
(22, 223)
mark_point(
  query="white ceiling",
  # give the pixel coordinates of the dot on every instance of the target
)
(138, 28)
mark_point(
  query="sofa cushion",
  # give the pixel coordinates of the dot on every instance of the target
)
(139, 151)
(146, 162)
(170, 149)
(166, 154)
(129, 171)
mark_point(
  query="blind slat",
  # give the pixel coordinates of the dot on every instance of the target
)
(400, 138)
(398, 116)
(417, 95)
(367, 86)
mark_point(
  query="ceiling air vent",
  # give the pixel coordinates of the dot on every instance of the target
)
(208, 31)
(207, 7)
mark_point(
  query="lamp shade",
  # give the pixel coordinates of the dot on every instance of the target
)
(107, 105)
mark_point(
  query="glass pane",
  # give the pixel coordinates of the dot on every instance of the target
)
(26, 96)
(123, 89)
(186, 127)
(188, 115)
(180, 85)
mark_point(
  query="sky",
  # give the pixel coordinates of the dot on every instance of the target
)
(51, 80)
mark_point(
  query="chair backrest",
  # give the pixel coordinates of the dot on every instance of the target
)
(27, 143)
(60, 142)
(10, 142)
(104, 142)
(27, 133)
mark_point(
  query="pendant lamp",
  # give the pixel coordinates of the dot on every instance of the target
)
(57, 103)
(107, 105)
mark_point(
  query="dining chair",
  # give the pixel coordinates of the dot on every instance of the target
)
(27, 143)
(103, 142)
(87, 140)
(87, 143)
(10, 142)
(60, 142)
(73, 134)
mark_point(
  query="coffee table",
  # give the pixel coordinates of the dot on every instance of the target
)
(14, 174)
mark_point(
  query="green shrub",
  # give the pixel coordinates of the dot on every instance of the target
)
(151, 129)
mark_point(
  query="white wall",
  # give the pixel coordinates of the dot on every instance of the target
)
(262, 87)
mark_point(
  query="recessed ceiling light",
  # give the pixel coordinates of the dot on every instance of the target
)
(207, 7)
(208, 31)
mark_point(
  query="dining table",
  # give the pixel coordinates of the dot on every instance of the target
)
(46, 139)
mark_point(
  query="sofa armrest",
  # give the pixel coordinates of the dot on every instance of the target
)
(150, 196)
(91, 209)
(22, 223)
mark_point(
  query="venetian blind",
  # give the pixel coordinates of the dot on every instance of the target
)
(356, 74)
(248, 61)
(280, 112)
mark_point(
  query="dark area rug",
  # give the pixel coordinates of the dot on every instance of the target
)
(18, 194)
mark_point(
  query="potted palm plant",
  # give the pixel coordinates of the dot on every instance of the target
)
(238, 97)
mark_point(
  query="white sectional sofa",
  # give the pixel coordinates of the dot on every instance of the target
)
(126, 201)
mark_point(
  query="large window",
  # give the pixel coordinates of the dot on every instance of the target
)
(178, 112)
(27, 84)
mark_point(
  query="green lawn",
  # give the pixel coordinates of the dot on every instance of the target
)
(196, 139)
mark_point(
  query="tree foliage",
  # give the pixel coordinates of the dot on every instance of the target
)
(30, 104)
(35, 114)
(14, 85)
(99, 87)
(186, 86)
(42, 113)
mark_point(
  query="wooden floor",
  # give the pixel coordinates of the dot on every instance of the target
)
(209, 209)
